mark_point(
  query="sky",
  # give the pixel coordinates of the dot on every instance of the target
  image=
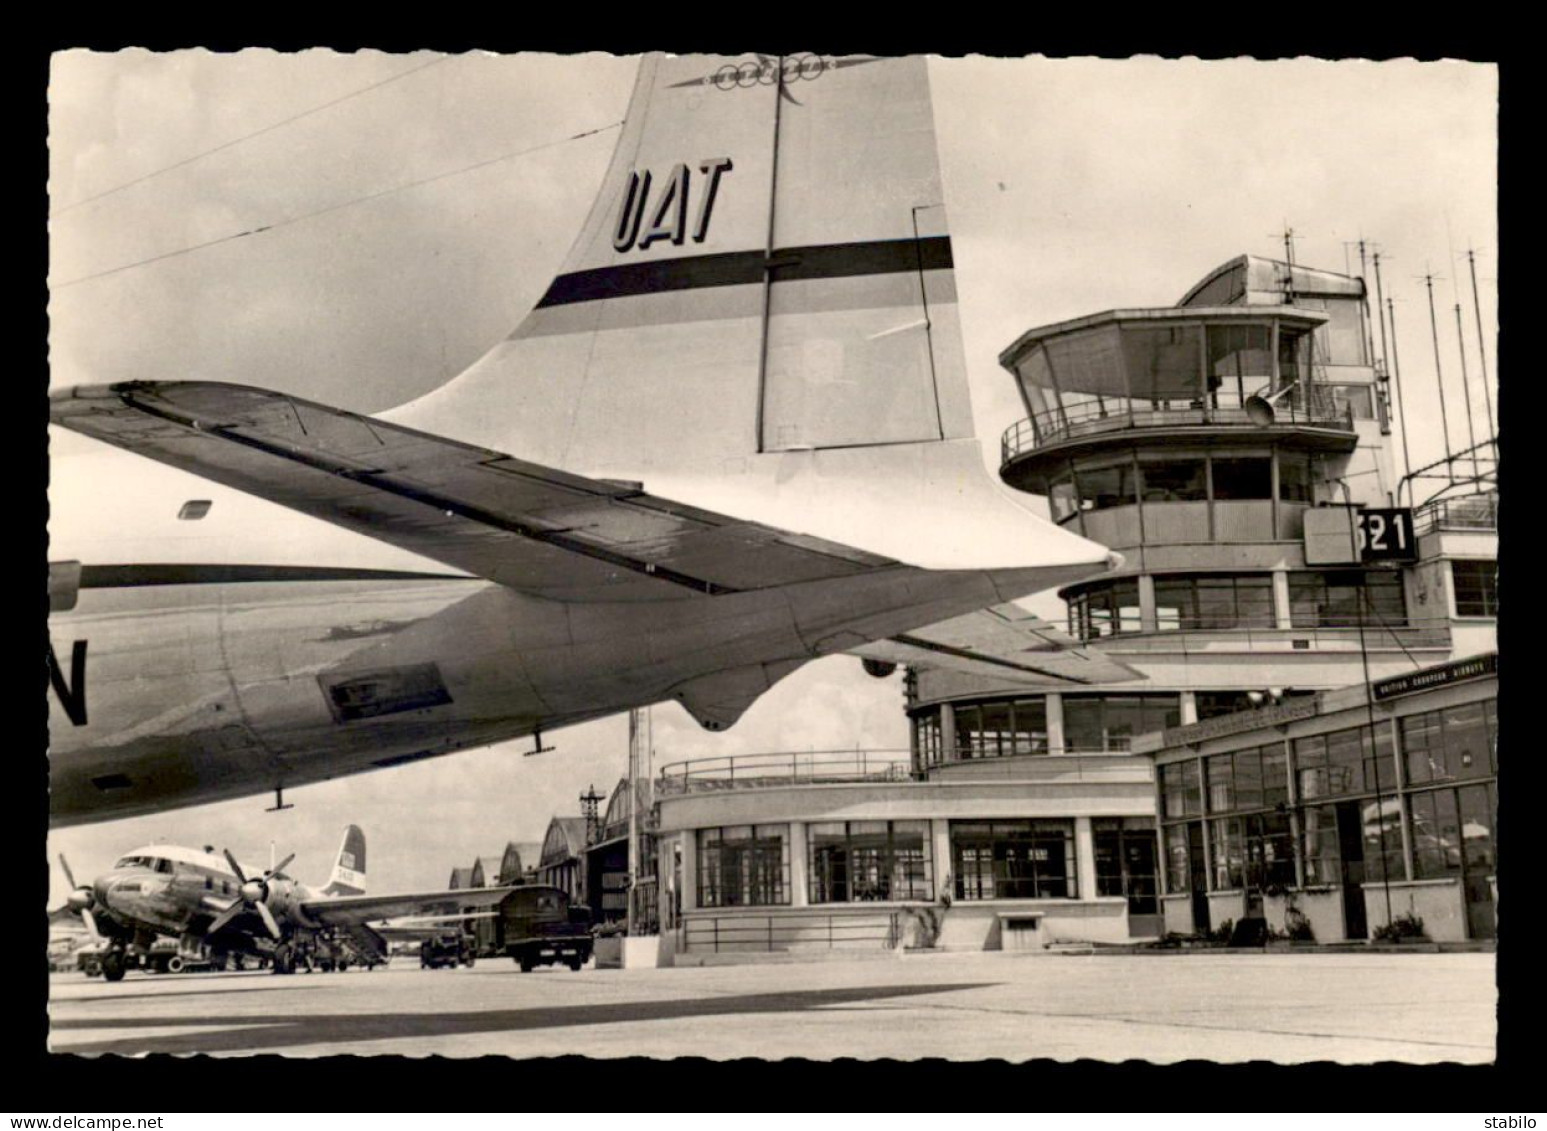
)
(359, 228)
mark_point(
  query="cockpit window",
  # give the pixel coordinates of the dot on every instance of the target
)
(164, 866)
(134, 862)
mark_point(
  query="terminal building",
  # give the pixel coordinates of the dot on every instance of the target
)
(1311, 741)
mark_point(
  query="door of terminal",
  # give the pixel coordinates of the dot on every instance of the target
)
(1351, 853)
(1198, 874)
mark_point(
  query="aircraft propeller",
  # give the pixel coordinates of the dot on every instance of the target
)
(254, 893)
(81, 899)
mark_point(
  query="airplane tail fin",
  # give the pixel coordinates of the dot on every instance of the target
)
(759, 316)
(766, 268)
(348, 875)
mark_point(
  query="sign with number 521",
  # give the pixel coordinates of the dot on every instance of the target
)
(1386, 535)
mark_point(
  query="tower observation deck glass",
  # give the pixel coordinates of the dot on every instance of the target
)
(1180, 367)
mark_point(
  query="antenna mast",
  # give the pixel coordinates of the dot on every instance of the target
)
(1382, 304)
(1439, 377)
(1482, 354)
(1466, 391)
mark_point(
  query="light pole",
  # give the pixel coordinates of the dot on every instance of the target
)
(1369, 701)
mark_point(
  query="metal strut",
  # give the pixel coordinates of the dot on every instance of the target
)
(537, 747)
(279, 801)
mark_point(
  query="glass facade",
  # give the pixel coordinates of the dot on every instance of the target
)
(864, 861)
(1001, 729)
(1026, 859)
(1225, 476)
(1345, 822)
(1105, 609)
(1451, 744)
(1213, 601)
(1109, 722)
(744, 866)
(1346, 598)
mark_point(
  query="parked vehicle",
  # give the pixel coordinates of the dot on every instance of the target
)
(537, 926)
(447, 950)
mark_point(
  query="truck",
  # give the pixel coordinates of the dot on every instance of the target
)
(537, 926)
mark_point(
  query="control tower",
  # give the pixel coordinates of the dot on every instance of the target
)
(1225, 447)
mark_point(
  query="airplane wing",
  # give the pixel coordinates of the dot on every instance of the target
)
(1001, 642)
(357, 910)
(535, 529)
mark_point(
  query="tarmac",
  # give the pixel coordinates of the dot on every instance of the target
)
(1279, 1007)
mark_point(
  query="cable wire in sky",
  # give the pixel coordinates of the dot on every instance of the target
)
(331, 208)
(245, 137)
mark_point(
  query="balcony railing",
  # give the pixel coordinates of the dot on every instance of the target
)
(1471, 512)
(1119, 414)
(1323, 638)
(752, 771)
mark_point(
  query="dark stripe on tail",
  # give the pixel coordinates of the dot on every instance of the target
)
(736, 268)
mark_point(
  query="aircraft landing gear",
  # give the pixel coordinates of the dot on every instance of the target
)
(113, 965)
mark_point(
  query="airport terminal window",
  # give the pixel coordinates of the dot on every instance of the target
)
(1248, 779)
(1270, 856)
(1332, 599)
(1358, 399)
(1227, 839)
(1062, 501)
(1477, 588)
(1450, 744)
(1188, 602)
(1179, 790)
(1001, 729)
(1382, 825)
(1178, 875)
(928, 740)
(1293, 353)
(1125, 861)
(1109, 722)
(1212, 704)
(1295, 478)
(1173, 481)
(743, 866)
(1345, 762)
(1105, 609)
(1163, 363)
(1247, 477)
(1256, 850)
(862, 861)
(1027, 859)
(1115, 485)
(1436, 834)
(1240, 362)
(1319, 842)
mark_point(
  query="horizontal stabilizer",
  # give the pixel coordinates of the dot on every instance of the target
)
(1002, 642)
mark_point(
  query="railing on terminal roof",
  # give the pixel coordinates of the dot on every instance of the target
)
(1115, 763)
(1116, 414)
(1470, 512)
(750, 771)
(813, 930)
(1344, 637)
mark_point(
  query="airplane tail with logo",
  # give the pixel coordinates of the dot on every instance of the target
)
(348, 875)
(759, 317)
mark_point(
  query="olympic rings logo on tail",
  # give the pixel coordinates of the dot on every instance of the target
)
(766, 70)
